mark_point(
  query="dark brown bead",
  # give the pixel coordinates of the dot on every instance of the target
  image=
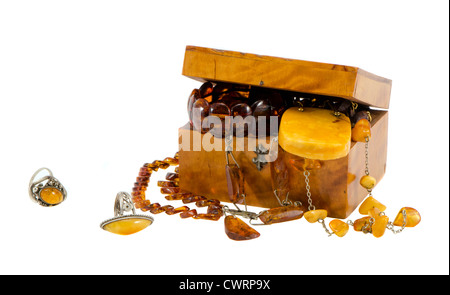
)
(189, 213)
(200, 111)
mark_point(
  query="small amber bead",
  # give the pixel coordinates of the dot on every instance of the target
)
(177, 210)
(172, 176)
(361, 223)
(215, 209)
(368, 182)
(171, 161)
(178, 196)
(152, 206)
(361, 130)
(170, 190)
(204, 203)
(200, 111)
(192, 199)
(370, 203)
(189, 213)
(177, 170)
(207, 216)
(339, 227)
(379, 226)
(166, 184)
(314, 215)
(412, 217)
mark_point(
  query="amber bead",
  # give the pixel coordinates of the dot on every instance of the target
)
(166, 184)
(379, 226)
(171, 161)
(152, 206)
(282, 214)
(177, 170)
(192, 199)
(240, 126)
(215, 209)
(172, 176)
(361, 131)
(339, 227)
(368, 182)
(200, 111)
(412, 217)
(206, 90)
(195, 94)
(303, 164)
(221, 111)
(207, 216)
(204, 203)
(238, 230)
(235, 183)
(177, 210)
(370, 203)
(170, 190)
(189, 213)
(279, 174)
(178, 196)
(361, 223)
(314, 215)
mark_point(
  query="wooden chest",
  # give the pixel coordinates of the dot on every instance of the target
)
(335, 186)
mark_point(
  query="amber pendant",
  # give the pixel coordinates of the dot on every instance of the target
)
(235, 182)
(282, 214)
(238, 230)
(125, 224)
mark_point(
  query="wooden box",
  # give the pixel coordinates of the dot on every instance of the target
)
(335, 186)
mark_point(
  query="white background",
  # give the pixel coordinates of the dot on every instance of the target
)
(93, 89)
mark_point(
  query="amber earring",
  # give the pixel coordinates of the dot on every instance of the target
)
(47, 191)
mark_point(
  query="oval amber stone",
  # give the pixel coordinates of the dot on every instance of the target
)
(314, 215)
(51, 195)
(412, 217)
(339, 227)
(282, 214)
(368, 182)
(127, 226)
(370, 203)
(361, 130)
(238, 230)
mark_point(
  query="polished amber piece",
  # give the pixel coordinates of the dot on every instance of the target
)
(177, 210)
(215, 209)
(206, 90)
(339, 227)
(240, 126)
(51, 195)
(370, 203)
(360, 224)
(161, 164)
(150, 207)
(192, 199)
(379, 226)
(314, 215)
(172, 176)
(189, 213)
(282, 214)
(361, 131)
(207, 216)
(412, 217)
(221, 111)
(170, 190)
(127, 226)
(238, 230)
(178, 196)
(204, 203)
(315, 133)
(166, 184)
(235, 183)
(279, 174)
(195, 94)
(368, 182)
(200, 110)
(303, 164)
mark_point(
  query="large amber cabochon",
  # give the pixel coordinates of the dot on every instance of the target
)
(315, 133)
(127, 226)
(51, 195)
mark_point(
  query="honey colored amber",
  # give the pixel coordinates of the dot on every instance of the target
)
(177, 210)
(166, 184)
(361, 130)
(279, 174)
(192, 199)
(339, 227)
(189, 213)
(368, 182)
(412, 217)
(379, 226)
(204, 203)
(235, 183)
(51, 195)
(127, 226)
(178, 196)
(370, 203)
(361, 223)
(170, 190)
(315, 133)
(303, 164)
(314, 215)
(238, 230)
(282, 214)
(215, 209)
(172, 176)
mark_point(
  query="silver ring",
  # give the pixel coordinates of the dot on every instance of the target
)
(47, 191)
(125, 224)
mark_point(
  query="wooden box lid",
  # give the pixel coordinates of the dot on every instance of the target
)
(207, 64)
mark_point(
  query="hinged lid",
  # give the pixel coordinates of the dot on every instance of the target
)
(207, 64)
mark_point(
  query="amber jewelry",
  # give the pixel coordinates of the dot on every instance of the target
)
(125, 224)
(47, 191)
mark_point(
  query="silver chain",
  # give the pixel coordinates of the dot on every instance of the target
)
(367, 156)
(308, 190)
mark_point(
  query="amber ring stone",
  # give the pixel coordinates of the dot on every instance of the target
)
(127, 224)
(47, 191)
